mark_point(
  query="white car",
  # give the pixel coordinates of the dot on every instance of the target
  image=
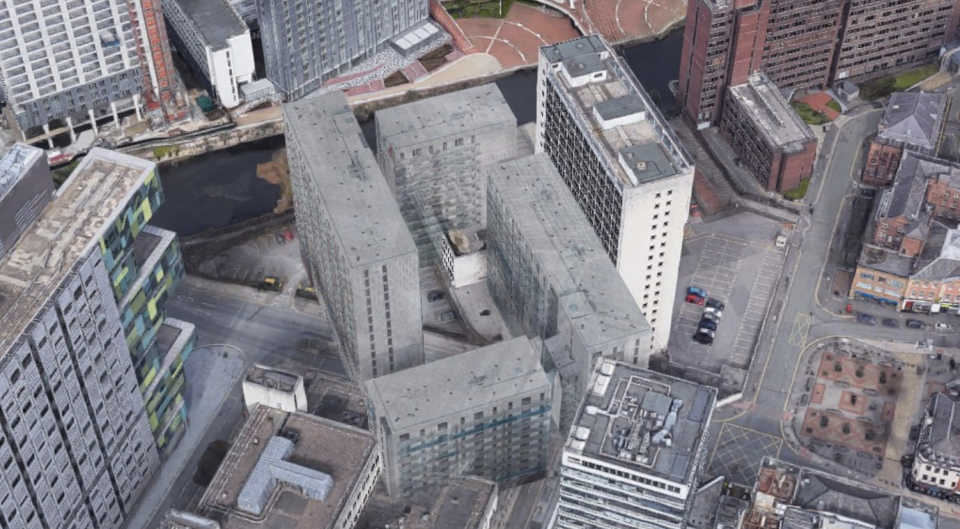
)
(711, 310)
(940, 326)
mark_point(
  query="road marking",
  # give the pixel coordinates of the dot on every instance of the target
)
(800, 330)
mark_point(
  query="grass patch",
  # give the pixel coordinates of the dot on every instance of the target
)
(488, 9)
(834, 105)
(884, 86)
(798, 192)
(163, 151)
(395, 79)
(808, 114)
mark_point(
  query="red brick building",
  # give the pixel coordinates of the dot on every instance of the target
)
(912, 121)
(164, 96)
(801, 44)
(768, 136)
(881, 164)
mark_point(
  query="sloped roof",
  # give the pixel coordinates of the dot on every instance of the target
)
(908, 193)
(940, 258)
(939, 437)
(914, 118)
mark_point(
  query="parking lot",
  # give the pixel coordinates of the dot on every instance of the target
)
(735, 260)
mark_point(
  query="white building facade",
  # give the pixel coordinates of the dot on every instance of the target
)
(624, 165)
(216, 41)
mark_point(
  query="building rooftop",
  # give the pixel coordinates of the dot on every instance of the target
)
(338, 451)
(67, 229)
(914, 118)
(884, 260)
(344, 173)
(445, 116)
(909, 192)
(643, 420)
(461, 504)
(456, 384)
(803, 498)
(272, 378)
(215, 21)
(772, 114)
(940, 258)
(938, 430)
(14, 162)
(613, 107)
(562, 241)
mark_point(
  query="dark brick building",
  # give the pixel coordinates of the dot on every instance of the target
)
(802, 44)
(767, 135)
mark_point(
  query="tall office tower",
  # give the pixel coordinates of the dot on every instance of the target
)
(76, 62)
(358, 250)
(432, 152)
(26, 186)
(551, 278)
(636, 452)
(805, 44)
(482, 413)
(624, 165)
(307, 43)
(75, 444)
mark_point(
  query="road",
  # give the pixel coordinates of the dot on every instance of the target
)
(262, 328)
(754, 427)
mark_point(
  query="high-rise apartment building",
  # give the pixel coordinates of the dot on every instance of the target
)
(553, 280)
(624, 165)
(300, 54)
(432, 152)
(636, 452)
(77, 62)
(486, 413)
(26, 186)
(76, 446)
(802, 44)
(358, 251)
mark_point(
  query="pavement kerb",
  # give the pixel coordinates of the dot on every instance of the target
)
(823, 266)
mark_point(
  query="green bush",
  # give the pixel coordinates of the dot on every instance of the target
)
(808, 114)
(834, 105)
(884, 86)
(162, 151)
(798, 192)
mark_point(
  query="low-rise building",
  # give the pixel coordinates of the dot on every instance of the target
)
(943, 185)
(902, 215)
(275, 388)
(768, 136)
(463, 256)
(936, 463)
(215, 41)
(912, 121)
(636, 451)
(26, 186)
(466, 503)
(485, 413)
(881, 275)
(292, 470)
(935, 283)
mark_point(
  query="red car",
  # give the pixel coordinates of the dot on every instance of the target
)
(695, 299)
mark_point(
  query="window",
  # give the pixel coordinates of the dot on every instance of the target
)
(458, 142)
(416, 152)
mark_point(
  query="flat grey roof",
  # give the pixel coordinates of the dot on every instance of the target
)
(617, 94)
(445, 116)
(639, 401)
(884, 260)
(68, 228)
(355, 195)
(772, 114)
(457, 384)
(215, 20)
(563, 242)
(649, 162)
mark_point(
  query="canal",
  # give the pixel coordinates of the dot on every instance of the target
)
(222, 188)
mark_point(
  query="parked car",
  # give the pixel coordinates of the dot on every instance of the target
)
(716, 313)
(703, 338)
(708, 324)
(695, 299)
(940, 326)
(866, 319)
(715, 303)
(434, 295)
(709, 315)
(698, 291)
(890, 322)
(915, 324)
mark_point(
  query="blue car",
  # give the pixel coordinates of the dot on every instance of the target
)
(697, 291)
(708, 324)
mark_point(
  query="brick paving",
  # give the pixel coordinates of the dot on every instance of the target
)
(818, 102)
(846, 431)
(516, 39)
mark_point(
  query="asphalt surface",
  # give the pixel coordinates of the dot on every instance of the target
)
(753, 428)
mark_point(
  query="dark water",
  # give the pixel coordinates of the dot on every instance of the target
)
(221, 188)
